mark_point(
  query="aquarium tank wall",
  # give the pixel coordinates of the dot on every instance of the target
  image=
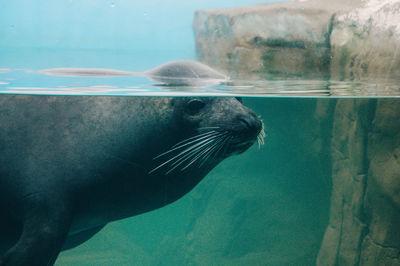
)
(316, 181)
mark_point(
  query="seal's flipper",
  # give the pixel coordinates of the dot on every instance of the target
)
(43, 234)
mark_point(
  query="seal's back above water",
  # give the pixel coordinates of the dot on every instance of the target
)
(70, 165)
(174, 73)
(186, 72)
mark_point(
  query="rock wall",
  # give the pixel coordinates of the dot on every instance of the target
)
(381, 244)
(346, 229)
(266, 39)
(339, 40)
(365, 205)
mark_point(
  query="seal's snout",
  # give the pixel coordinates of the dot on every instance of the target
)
(251, 125)
(248, 129)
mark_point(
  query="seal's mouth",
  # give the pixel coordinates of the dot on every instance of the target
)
(246, 137)
(210, 144)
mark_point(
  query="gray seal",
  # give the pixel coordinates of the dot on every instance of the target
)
(175, 73)
(69, 165)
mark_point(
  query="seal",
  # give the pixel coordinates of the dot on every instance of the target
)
(174, 73)
(69, 165)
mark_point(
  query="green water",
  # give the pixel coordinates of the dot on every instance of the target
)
(267, 206)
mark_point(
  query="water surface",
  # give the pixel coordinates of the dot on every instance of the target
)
(20, 74)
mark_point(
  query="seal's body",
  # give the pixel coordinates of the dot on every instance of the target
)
(69, 165)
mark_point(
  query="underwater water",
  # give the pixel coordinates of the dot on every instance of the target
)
(267, 206)
(271, 205)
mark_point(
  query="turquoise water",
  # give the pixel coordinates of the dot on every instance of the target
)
(20, 74)
(105, 24)
(131, 36)
(267, 206)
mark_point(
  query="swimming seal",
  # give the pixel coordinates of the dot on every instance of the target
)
(175, 73)
(69, 165)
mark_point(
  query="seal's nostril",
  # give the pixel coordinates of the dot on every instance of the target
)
(250, 123)
(245, 121)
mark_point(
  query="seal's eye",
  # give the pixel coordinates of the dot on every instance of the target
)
(194, 106)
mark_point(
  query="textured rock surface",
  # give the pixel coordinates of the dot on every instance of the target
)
(365, 41)
(365, 206)
(349, 170)
(382, 202)
(284, 38)
(341, 39)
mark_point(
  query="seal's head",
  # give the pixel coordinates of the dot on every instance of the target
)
(216, 127)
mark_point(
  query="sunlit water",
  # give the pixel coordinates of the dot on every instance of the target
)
(26, 81)
(20, 74)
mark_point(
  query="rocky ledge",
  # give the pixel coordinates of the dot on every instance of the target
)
(337, 39)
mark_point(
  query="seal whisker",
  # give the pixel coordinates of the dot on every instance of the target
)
(221, 146)
(225, 147)
(217, 146)
(199, 155)
(205, 152)
(188, 156)
(196, 137)
(197, 141)
(193, 140)
(261, 135)
(209, 152)
(189, 149)
(223, 142)
(192, 152)
(183, 153)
